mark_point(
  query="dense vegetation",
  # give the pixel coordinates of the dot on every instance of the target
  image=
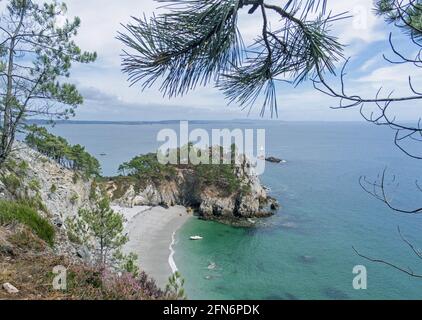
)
(21, 213)
(57, 148)
(148, 168)
(26, 264)
(12, 177)
(222, 176)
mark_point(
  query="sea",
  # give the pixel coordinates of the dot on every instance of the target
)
(308, 249)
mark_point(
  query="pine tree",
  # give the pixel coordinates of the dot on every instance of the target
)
(102, 230)
(36, 53)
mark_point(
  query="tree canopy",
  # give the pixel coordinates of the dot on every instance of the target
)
(57, 148)
(36, 55)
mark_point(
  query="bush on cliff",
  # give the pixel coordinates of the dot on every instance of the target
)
(221, 176)
(21, 213)
(148, 168)
(34, 277)
(58, 149)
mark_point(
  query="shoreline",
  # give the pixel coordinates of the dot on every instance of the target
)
(152, 236)
(171, 261)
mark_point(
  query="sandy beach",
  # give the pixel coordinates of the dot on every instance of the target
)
(151, 233)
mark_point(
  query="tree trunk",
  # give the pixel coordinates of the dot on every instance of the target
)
(8, 128)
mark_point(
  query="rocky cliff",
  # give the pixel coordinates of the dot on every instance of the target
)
(56, 191)
(210, 200)
(60, 193)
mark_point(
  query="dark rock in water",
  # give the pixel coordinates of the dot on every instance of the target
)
(291, 296)
(273, 159)
(335, 294)
(307, 259)
(274, 206)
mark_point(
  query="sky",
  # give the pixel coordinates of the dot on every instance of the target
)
(108, 95)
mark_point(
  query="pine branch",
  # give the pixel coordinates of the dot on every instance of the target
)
(197, 42)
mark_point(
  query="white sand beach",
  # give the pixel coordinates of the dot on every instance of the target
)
(151, 233)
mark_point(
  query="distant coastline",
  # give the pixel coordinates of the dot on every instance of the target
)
(134, 123)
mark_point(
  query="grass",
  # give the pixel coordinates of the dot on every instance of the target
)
(16, 212)
(11, 182)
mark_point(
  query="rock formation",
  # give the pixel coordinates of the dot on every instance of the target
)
(210, 201)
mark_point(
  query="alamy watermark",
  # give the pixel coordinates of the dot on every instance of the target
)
(215, 146)
(60, 280)
(360, 281)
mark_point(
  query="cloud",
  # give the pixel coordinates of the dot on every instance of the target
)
(109, 96)
(369, 63)
(112, 107)
(95, 95)
(394, 78)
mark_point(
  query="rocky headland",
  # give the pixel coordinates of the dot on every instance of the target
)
(158, 198)
(228, 193)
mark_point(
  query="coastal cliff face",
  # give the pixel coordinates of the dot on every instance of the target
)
(62, 191)
(56, 192)
(211, 201)
(37, 195)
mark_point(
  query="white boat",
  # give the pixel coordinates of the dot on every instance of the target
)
(196, 238)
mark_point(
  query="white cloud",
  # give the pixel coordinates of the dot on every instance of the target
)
(111, 96)
(394, 78)
(369, 63)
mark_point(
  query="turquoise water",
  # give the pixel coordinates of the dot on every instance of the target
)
(305, 250)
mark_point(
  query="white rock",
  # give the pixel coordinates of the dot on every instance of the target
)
(9, 288)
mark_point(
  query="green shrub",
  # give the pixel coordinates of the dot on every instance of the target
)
(35, 202)
(58, 149)
(74, 198)
(222, 176)
(11, 182)
(23, 167)
(93, 191)
(147, 167)
(72, 236)
(53, 188)
(34, 185)
(75, 178)
(22, 213)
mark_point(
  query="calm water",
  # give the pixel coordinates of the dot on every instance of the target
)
(305, 250)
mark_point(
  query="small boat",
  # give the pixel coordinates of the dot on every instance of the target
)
(196, 238)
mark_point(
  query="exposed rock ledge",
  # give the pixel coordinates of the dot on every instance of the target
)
(210, 202)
